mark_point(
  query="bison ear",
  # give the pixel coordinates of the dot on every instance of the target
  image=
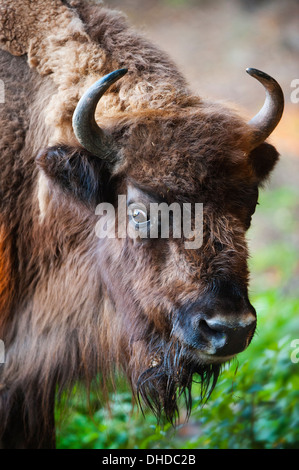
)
(263, 159)
(75, 172)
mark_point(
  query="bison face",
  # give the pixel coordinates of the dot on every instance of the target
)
(171, 308)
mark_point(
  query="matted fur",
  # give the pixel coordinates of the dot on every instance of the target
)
(72, 306)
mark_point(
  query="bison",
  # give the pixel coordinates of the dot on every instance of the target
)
(94, 111)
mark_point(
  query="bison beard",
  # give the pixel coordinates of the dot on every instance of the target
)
(162, 385)
(94, 111)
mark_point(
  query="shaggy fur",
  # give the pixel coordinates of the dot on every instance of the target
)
(73, 306)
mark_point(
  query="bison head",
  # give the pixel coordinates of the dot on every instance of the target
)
(171, 310)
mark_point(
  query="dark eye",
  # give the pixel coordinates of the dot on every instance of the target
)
(139, 218)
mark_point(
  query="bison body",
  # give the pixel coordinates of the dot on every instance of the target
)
(74, 306)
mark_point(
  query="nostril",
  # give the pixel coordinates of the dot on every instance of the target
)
(216, 326)
(222, 335)
(207, 329)
(236, 332)
(209, 333)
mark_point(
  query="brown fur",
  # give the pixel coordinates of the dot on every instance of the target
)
(80, 306)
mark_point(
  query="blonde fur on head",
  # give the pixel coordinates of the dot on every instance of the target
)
(59, 44)
(56, 43)
(25, 24)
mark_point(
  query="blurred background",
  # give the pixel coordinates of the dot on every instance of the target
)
(256, 401)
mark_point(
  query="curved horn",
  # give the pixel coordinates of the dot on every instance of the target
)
(270, 114)
(86, 130)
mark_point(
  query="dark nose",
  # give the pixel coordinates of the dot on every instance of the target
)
(223, 335)
(220, 324)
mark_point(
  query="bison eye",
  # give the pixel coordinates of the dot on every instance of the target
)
(139, 219)
(138, 216)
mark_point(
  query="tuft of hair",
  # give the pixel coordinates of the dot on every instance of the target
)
(163, 386)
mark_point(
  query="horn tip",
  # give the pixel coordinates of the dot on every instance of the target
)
(255, 72)
(259, 75)
(113, 76)
(121, 72)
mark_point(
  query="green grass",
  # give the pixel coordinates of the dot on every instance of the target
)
(256, 401)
